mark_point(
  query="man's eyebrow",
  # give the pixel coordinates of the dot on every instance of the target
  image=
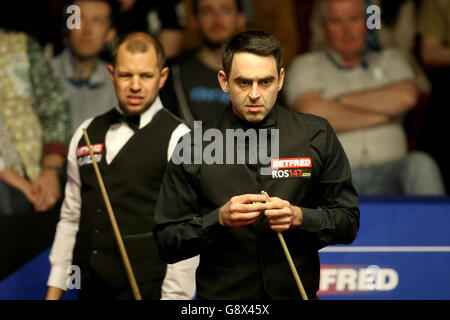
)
(268, 78)
(240, 78)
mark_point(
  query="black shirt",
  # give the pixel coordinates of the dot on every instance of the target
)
(248, 262)
(197, 86)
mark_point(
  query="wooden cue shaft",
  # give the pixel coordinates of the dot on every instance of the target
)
(290, 261)
(123, 251)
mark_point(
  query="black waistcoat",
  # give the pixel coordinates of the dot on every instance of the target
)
(249, 263)
(132, 181)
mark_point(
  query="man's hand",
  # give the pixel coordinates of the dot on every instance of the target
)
(10, 176)
(281, 215)
(47, 190)
(54, 293)
(240, 210)
(47, 187)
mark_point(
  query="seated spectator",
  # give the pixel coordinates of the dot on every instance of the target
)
(398, 30)
(275, 17)
(192, 90)
(34, 125)
(364, 94)
(83, 74)
(163, 18)
(434, 48)
(434, 29)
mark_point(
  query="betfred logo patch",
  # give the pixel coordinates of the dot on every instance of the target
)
(291, 168)
(84, 150)
(291, 163)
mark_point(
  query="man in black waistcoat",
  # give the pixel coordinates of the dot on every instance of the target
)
(208, 203)
(132, 144)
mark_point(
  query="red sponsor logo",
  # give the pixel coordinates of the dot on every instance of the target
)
(84, 150)
(290, 163)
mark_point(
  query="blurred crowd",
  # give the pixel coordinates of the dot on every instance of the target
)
(382, 89)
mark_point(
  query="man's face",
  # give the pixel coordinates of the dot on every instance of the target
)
(95, 31)
(253, 85)
(219, 20)
(137, 79)
(345, 27)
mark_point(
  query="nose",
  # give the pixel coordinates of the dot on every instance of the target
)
(254, 92)
(86, 26)
(135, 84)
(215, 14)
(350, 27)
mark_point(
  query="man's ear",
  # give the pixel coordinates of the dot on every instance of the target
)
(164, 74)
(223, 81)
(110, 35)
(241, 21)
(323, 31)
(281, 79)
(111, 71)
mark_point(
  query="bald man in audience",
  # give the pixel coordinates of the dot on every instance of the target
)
(364, 94)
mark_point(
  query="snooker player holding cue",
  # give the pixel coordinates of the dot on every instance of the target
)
(132, 144)
(211, 208)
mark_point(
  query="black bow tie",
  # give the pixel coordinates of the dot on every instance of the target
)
(133, 121)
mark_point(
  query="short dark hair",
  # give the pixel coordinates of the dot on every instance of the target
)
(257, 42)
(139, 42)
(237, 2)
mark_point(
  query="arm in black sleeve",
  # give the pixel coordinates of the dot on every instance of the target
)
(181, 231)
(338, 219)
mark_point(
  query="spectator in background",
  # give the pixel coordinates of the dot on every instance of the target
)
(83, 74)
(434, 29)
(34, 127)
(434, 48)
(275, 17)
(163, 18)
(363, 94)
(398, 30)
(193, 90)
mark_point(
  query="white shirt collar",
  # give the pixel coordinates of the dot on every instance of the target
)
(148, 114)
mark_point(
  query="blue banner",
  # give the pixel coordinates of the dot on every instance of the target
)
(402, 252)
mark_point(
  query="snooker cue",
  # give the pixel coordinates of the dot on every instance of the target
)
(123, 251)
(289, 259)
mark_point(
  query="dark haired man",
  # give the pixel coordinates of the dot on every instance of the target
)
(132, 144)
(212, 210)
(192, 88)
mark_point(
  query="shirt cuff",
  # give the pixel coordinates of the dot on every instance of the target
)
(179, 282)
(212, 227)
(58, 278)
(311, 220)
